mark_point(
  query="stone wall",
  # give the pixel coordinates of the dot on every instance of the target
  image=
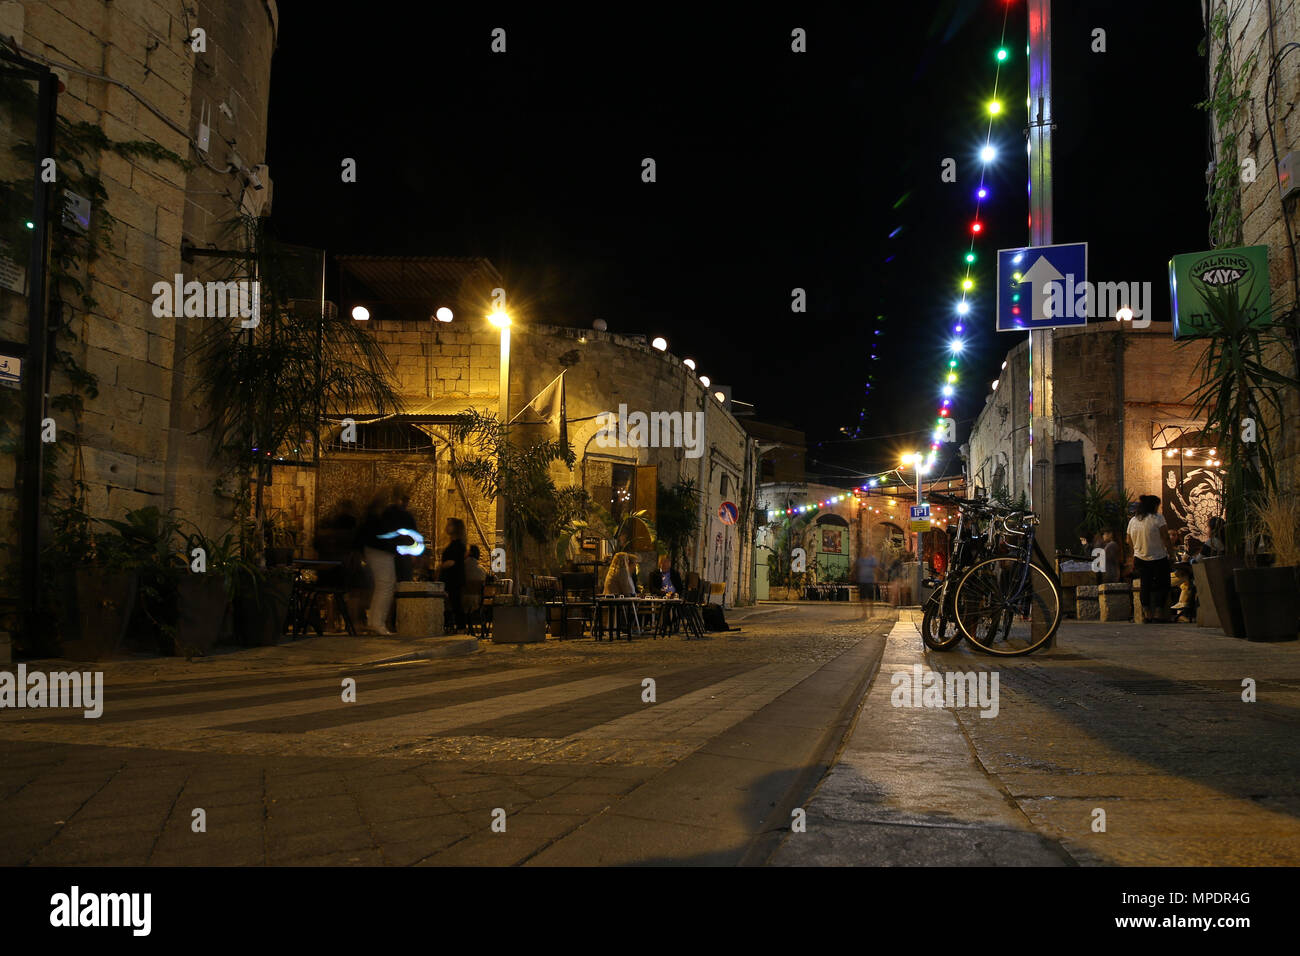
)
(1263, 222)
(445, 368)
(1111, 422)
(137, 446)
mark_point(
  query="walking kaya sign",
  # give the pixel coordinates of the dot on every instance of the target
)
(1192, 274)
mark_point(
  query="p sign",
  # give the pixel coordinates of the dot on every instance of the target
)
(728, 512)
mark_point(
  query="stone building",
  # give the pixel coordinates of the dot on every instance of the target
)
(1121, 416)
(1260, 44)
(139, 72)
(443, 368)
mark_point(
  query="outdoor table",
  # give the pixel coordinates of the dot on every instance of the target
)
(614, 606)
(303, 597)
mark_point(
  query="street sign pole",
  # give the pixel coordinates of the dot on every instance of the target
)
(1042, 477)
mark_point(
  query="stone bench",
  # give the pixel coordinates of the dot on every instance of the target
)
(1086, 603)
(1115, 601)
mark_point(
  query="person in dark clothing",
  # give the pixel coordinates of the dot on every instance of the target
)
(397, 516)
(451, 572)
(336, 540)
(664, 580)
(380, 549)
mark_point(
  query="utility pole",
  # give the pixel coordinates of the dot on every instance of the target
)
(1042, 427)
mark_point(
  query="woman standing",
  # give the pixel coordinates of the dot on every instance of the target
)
(451, 572)
(1148, 535)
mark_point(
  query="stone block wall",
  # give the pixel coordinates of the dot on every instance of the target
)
(136, 443)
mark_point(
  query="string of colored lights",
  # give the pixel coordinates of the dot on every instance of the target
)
(856, 494)
(957, 343)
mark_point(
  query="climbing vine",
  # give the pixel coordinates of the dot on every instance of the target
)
(1228, 96)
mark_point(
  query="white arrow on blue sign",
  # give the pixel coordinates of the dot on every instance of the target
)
(1042, 287)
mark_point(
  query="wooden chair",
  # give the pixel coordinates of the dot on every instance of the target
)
(578, 597)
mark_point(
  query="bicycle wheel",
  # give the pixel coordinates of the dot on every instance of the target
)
(938, 630)
(1002, 612)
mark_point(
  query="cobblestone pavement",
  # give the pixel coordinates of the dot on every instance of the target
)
(1144, 723)
(284, 771)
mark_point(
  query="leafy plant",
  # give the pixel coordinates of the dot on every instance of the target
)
(520, 478)
(1277, 518)
(266, 389)
(1103, 511)
(148, 541)
(1228, 94)
(677, 519)
(1236, 389)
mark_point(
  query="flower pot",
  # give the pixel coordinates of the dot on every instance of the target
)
(1269, 602)
(201, 604)
(518, 624)
(1223, 593)
(95, 612)
(1206, 613)
(260, 614)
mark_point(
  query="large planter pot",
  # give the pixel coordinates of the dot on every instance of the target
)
(1269, 602)
(201, 604)
(1206, 613)
(260, 614)
(1223, 592)
(95, 612)
(520, 624)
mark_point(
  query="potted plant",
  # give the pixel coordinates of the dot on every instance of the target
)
(95, 584)
(261, 602)
(1237, 388)
(517, 619)
(280, 537)
(205, 595)
(1270, 596)
(147, 542)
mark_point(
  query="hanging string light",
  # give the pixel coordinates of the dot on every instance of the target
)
(994, 109)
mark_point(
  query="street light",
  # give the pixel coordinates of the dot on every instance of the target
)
(443, 314)
(360, 313)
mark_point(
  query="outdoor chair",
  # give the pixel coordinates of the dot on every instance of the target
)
(578, 594)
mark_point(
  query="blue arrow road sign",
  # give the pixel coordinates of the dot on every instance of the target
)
(1043, 287)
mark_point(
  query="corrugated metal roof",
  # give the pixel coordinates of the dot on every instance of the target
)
(416, 278)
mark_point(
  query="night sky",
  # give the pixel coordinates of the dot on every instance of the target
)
(775, 170)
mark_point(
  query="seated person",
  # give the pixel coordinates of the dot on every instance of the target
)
(618, 579)
(664, 580)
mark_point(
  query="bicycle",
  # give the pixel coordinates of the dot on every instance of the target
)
(939, 629)
(1003, 603)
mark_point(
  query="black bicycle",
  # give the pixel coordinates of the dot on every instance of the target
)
(995, 594)
(939, 628)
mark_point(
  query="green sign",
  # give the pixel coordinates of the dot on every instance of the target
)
(1193, 273)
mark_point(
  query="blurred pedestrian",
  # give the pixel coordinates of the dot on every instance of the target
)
(864, 573)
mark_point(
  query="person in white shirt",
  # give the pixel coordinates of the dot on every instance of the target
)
(1148, 536)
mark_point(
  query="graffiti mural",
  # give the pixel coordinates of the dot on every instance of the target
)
(1192, 496)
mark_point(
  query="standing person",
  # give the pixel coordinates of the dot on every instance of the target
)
(1149, 537)
(865, 570)
(380, 556)
(336, 541)
(396, 516)
(1114, 557)
(451, 572)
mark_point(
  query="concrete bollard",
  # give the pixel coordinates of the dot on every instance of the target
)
(1086, 602)
(1116, 601)
(419, 609)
